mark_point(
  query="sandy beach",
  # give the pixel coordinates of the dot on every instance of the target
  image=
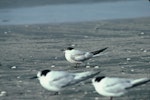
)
(27, 49)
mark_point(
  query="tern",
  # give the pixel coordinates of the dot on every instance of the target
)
(77, 57)
(58, 80)
(113, 86)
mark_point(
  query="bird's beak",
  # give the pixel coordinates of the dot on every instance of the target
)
(34, 77)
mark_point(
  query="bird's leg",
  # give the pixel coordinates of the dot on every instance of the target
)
(56, 93)
(76, 66)
(111, 98)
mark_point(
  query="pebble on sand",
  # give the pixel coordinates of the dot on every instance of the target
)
(122, 67)
(73, 45)
(56, 57)
(3, 93)
(13, 67)
(87, 66)
(142, 33)
(128, 59)
(5, 33)
(96, 67)
(145, 51)
(96, 98)
(52, 66)
(132, 70)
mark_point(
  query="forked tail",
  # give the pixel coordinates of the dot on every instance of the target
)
(138, 82)
(98, 51)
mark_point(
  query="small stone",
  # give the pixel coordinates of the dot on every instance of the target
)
(20, 81)
(86, 36)
(35, 62)
(96, 98)
(129, 66)
(18, 77)
(3, 93)
(142, 33)
(88, 63)
(87, 66)
(122, 67)
(132, 70)
(141, 49)
(56, 57)
(29, 91)
(52, 66)
(129, 51)
(96, 67)
(128, 59)
(145, 51)
(13, 67)
(5, 32)
(85, 92)
(73, 45)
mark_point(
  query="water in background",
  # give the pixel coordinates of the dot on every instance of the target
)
(75, 12)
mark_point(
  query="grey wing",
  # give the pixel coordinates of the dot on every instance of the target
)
(63, 81)
(116, 85)
(81, 56)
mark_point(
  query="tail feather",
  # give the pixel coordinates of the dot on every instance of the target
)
(141, 81)
(98, 51)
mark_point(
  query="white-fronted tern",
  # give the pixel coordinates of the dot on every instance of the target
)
(113, 87)
(77, 57)
(57, 80)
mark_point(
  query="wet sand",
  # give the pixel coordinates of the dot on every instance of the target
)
(26, 49)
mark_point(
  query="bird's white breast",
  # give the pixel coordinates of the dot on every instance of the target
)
(68, 56)
(47, 84)
(105, 90)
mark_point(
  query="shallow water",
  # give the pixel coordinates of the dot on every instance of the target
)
(75, 12)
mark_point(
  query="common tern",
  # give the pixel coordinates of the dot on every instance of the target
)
(113, 86)
(77, 57)
(58, 80)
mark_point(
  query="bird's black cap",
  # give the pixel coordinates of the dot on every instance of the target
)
(70, 48)
(44, 72)
(98, 79)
